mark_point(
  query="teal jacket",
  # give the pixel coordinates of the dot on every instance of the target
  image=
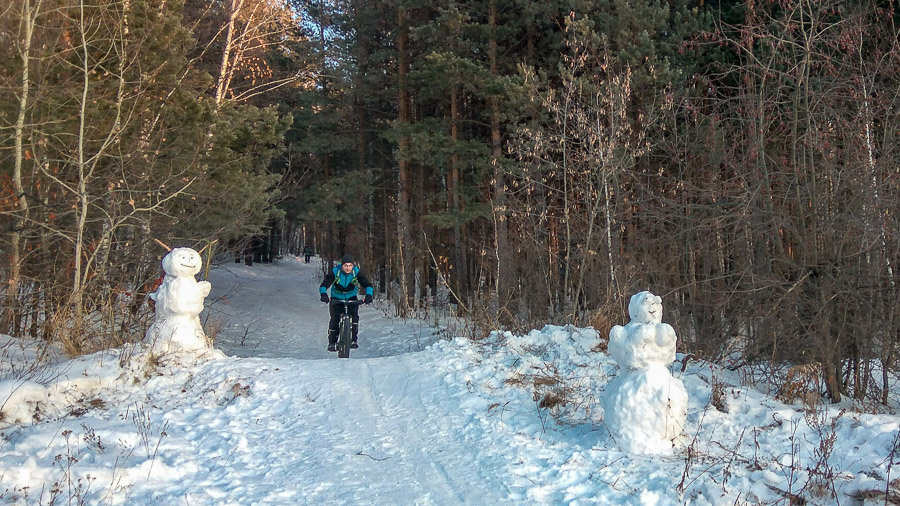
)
(345, 286)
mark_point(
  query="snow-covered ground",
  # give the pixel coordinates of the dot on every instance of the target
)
(409, 419)
(274, 311)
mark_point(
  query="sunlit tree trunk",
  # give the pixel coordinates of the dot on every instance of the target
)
(89, 158)
(223, 82)
(29, 16)
(503, 257)
(81, 193)
(404, 241)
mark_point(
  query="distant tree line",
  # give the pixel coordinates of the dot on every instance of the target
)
(543, 159)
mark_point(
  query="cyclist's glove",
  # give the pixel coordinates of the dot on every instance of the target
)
(368, 299)
(324, 298)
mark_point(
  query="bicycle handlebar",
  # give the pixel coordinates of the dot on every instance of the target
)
(345, 302)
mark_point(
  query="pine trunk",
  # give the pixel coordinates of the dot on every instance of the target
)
(403, 177)
(503, 284)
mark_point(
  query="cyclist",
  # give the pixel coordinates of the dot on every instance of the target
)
(344, 281)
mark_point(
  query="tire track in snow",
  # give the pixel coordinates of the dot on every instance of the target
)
(405, 417)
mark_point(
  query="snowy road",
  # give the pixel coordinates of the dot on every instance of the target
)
(317, 432)
(273, 311)
(363, 430)
(385, 447)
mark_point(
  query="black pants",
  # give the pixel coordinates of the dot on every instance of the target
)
(307, 258)
(334, 325)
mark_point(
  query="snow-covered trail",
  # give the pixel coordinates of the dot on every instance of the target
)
(274, 311)
(317, 432)
(280, 421)
(385, 445)
(363, 430)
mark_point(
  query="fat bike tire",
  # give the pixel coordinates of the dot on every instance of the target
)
(344, 340)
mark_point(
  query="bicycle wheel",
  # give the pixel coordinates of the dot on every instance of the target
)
(344, 338)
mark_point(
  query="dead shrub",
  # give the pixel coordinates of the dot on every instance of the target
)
(562, 399)
(605, 317)
(802, 383)
(111, 323)
(822, 474)
(86, 405)
(553, 400)
(213, 327)
(718, 398)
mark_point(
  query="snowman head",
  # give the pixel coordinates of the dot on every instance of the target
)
(182, 262)
(645, 308)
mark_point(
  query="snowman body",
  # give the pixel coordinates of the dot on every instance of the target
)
(179, 302)
(645, 406)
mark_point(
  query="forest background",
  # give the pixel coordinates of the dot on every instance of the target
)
(525, 161)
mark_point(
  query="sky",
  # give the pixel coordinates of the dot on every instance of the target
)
(414, 416)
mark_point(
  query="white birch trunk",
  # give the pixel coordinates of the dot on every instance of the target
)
(29, 16)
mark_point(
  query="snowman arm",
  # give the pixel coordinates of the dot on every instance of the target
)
(617, 333)
(665, 334)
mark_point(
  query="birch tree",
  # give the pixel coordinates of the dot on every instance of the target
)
(28, 17)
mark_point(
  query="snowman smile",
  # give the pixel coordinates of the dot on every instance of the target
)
(189, 266)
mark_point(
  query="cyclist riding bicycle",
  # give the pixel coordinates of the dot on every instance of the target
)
(344, 281)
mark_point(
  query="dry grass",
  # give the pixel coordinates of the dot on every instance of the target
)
(564, 399)
(213, 326)
(802, 383)
(718, 399)
(110, 324)
(87, 405)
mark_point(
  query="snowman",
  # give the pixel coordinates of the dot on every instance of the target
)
(179, 301)
(645, 406)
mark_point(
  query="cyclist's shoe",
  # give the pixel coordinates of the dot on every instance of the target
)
(353, 345)
(332, 347)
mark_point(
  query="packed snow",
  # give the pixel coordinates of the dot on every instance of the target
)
(411, 418)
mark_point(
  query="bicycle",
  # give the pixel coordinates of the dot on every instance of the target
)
(345, 332)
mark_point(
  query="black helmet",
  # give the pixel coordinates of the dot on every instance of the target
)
(347, 259)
